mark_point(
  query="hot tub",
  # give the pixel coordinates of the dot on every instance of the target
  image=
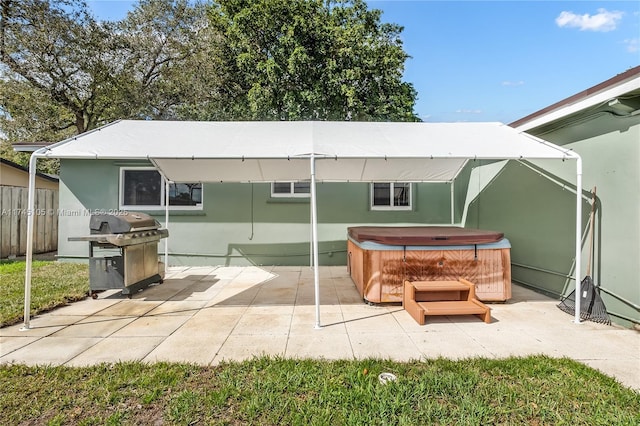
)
(381, 258)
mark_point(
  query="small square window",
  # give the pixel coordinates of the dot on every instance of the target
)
(290, 189)
(391, 196)
(185, 194)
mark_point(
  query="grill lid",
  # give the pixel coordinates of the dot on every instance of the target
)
(122, 222)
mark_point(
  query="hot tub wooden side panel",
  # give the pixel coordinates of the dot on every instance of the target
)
(506, 274)
(383, 272)
(355, 265)
(386, 284)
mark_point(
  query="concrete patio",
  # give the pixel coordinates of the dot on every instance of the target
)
(205, 315)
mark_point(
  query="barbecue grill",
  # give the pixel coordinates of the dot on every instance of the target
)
(136, 236)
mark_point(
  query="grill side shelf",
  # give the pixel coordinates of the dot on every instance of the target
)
(122, 240)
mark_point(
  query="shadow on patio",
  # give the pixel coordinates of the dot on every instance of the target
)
(204, 315)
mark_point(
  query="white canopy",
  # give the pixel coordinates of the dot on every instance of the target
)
(306, 150)
(254, 151)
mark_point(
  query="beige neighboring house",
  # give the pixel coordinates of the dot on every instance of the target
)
(14, 184)
(13, 174)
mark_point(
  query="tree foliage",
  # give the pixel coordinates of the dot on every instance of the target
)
(314, 60)
(166, 43)
(62, 55)
(93, 72)
(64, 72)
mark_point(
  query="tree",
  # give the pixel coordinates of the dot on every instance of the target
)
(87, 73)
(28, 114)
(59, 51)
(64, 73)
(307, 59)
(33, 119)
(165, 59)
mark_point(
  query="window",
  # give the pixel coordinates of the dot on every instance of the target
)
(143, 187)
(290, 189)
(391, 196)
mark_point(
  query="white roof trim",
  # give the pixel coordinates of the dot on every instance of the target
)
(593, 100)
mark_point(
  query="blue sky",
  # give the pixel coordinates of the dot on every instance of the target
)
(499, 60)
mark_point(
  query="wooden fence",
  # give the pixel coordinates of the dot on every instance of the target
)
(13, 221)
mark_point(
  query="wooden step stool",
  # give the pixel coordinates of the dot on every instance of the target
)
(423, 298)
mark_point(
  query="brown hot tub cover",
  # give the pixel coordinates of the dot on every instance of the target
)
(423, 235)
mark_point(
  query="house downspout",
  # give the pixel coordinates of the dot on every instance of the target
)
(314, 237)
(33, 160)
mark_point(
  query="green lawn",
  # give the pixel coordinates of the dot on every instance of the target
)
(53, 284)
(268, 391)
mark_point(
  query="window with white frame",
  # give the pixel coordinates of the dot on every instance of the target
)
(290, 189)
(144, 188)
(391, 196)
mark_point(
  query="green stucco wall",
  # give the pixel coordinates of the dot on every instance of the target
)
(538, 218)
(241, 223)
(538, 215)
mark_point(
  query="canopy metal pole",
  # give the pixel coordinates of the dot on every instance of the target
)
(453, 205)
(578, 236)
(310, 237)
(166, 225)
(31, 201)
(314, 237)
(543, 173)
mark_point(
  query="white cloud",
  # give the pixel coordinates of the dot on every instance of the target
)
(633, 45)
(513, 83)
(602, 21)
(469, 111)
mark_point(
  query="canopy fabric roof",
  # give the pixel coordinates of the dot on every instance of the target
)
(302, 150)
(280, 150)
